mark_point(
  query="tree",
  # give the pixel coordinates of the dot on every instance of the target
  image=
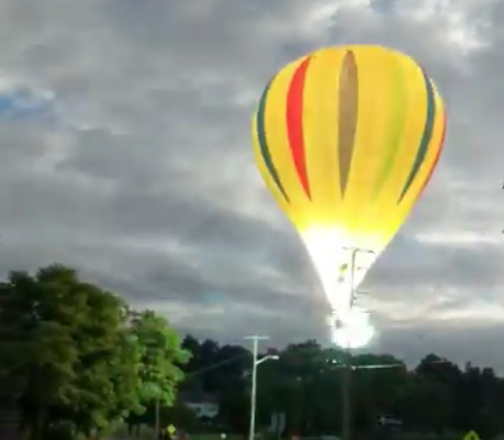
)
(305, 385)
(85, 359)
(74, 359)
(108, 364)
(161, 358)
(41, 318)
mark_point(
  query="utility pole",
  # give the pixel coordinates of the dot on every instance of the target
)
(158, 418)
(255, 362)
(346, 388)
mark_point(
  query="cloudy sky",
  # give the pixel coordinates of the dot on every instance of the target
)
(125, 152)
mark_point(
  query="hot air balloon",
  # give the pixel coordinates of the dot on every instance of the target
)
(346, 139)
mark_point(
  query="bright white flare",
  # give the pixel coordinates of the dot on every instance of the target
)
(352, 330)
(328, 249)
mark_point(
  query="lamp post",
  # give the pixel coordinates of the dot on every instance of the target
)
(255, 363)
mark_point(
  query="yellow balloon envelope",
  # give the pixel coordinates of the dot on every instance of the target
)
(346, 139)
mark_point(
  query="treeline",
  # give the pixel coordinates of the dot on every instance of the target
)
(76, 360)
(437, 397)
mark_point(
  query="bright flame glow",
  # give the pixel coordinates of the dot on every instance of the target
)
(352, 330)
(328, 249)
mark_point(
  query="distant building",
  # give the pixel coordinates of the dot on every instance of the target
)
(277, 424)
(203, 404)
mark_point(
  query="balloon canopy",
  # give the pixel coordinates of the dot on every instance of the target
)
(346, 139)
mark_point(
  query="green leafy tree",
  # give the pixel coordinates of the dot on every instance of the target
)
(85, 361)
(161, 358)
(39, 318)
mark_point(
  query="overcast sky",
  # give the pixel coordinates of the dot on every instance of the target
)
(125, 151)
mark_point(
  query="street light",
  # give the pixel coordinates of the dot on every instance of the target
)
(272, 357)
(255, 363)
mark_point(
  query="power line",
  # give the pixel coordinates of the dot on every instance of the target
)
(217, 365)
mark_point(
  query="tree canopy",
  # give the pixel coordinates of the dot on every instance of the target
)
(76, 359)
(305, 384)
(83, 360)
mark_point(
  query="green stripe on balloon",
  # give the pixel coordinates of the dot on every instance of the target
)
(261, 135)
(438, 155)
(426, 137)
(395, 130)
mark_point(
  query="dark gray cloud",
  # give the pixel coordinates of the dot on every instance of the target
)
(144, 177)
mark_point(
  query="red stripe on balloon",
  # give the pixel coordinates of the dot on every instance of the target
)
(438, 155)
(295, 122)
